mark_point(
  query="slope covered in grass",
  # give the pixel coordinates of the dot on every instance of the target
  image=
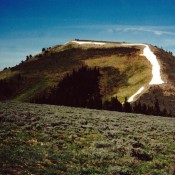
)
(123, 70)
(45, 139)
(125, 74)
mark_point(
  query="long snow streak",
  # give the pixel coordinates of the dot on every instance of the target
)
(137, 93)
(156, 75)
(89, 42)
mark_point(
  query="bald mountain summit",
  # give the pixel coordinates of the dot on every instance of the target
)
(95, 74)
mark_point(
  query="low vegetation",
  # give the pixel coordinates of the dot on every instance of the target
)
(48, 140)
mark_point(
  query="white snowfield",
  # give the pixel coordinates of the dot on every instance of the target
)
(156, 75)
(89, 42)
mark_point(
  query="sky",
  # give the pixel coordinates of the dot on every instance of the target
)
(27, 26)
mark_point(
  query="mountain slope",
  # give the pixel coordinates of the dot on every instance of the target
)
(165, 93)
(121, 63)
(122, 67)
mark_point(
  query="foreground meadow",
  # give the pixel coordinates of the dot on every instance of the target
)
(54, 140)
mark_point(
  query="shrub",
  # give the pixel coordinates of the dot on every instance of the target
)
(141, 155)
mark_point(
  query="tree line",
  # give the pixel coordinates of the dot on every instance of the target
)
(78, 89)
(81, 89)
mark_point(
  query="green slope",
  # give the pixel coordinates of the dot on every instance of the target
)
(122, 68)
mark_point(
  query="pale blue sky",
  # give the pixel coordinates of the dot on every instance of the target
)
(26, 26)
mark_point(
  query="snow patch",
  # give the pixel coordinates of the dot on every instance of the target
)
(89, 42)
(156, 75)
(137, 93)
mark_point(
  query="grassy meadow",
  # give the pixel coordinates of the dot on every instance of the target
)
(52, 140)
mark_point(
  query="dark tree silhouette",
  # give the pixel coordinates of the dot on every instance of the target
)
(79, 89)
(113, 105)
(127, 106)
(9, 87)
(150, 110)
(43, 49)
(157, 108)
(137, 107)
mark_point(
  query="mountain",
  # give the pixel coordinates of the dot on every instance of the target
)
(124, 70)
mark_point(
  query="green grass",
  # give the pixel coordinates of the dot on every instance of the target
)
(134, 73)
(32, 89)
(44, 139)
(7, 74)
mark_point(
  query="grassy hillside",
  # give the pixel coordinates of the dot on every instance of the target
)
(48, 140)
(123, 73)
(123, 70)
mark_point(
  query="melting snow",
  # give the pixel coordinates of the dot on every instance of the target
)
(133, 96)
(89, 42)
(156, 76)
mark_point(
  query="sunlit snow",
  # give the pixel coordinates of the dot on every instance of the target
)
(156, 75)
(137, 93)
(89, 42)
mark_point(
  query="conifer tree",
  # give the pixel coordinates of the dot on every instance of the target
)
(127, 106)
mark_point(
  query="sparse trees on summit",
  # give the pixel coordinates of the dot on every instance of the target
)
(5, 68)
(27, 58)
(43, 49)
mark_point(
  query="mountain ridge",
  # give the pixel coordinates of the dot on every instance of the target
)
(47, 68)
